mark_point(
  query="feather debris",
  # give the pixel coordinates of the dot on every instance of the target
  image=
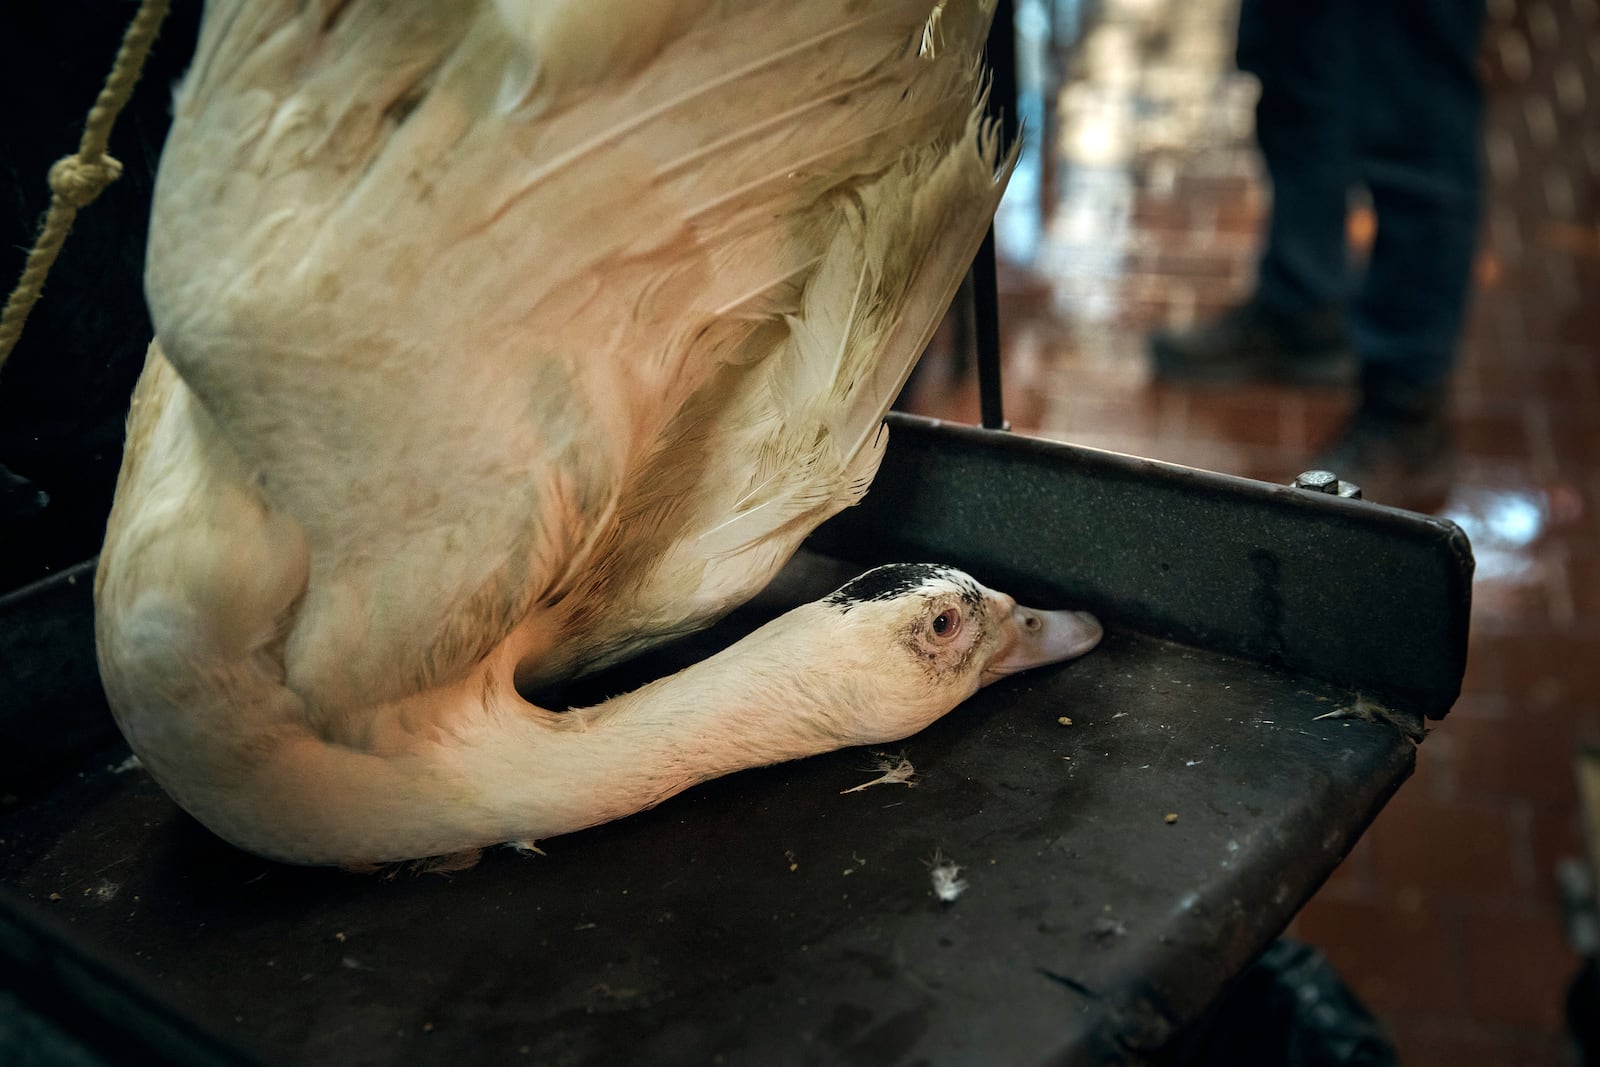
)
(947, 881)
(896, 770)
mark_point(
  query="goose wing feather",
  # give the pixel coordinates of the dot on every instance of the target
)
(570, 316)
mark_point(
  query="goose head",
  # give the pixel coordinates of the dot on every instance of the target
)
(916, 639)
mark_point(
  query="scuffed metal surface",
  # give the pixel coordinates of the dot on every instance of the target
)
(771, 917)
(1132, 828)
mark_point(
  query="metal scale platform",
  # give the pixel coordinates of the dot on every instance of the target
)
(776, 916)
(1133, 828)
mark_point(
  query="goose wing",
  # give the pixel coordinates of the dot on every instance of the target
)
(569, 316)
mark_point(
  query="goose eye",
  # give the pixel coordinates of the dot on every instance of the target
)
(947, 623)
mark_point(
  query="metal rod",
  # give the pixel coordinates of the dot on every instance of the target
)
(986, 326)
(1001, 54)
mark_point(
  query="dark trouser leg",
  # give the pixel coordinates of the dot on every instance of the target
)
(1293, 329)
(1420, 142)
(1421, 108)
(1304, 53)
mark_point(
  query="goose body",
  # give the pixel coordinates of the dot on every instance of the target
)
(496, 341)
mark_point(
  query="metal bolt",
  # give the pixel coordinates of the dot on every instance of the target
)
(1318, 481)
(1350, 490)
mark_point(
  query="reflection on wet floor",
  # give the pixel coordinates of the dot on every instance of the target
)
(1135, 205)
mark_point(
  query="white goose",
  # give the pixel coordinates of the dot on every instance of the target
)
(499, 340)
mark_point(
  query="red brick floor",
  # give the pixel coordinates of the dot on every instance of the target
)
(1144, 211)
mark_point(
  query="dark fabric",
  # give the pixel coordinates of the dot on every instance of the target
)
(1381, 94)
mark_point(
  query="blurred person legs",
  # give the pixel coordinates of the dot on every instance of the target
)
(1293, 327)
(1420, 162)
(1380, 94)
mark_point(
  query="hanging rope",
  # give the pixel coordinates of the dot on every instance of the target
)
(77, 179)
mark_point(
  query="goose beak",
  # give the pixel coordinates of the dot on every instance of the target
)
(1034, 638)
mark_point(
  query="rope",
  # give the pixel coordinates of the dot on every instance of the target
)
(77, 179)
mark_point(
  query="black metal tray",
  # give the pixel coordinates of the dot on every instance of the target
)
(774, 917)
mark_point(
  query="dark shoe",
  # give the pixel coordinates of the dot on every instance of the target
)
(1253, 343)
(1397, 446)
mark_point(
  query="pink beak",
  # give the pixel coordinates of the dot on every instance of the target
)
(1035, 638)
